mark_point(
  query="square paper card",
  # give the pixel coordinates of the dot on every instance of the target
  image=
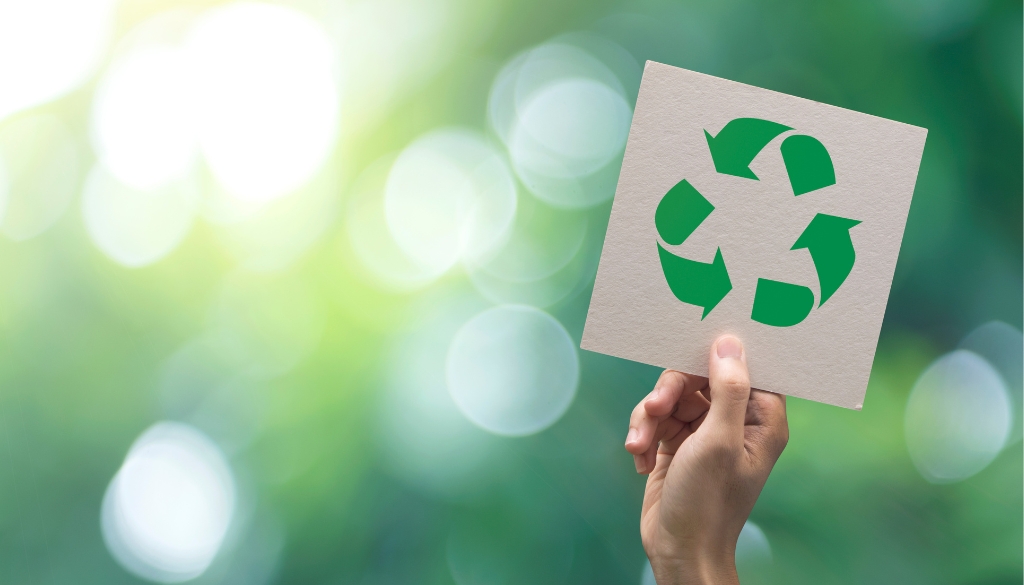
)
(745, 211)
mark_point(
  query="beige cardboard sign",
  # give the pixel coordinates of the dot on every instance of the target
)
(746, 211)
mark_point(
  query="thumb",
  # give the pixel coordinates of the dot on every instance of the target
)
(729, 383)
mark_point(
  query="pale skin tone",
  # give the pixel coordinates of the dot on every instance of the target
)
(707, 446)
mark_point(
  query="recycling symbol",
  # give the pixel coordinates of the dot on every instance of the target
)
(826, 237)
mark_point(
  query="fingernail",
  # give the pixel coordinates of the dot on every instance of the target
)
(631, 436)
(638, 460)
(654, 395)
(730, 347)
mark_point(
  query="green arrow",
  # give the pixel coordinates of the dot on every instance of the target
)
(781, 304)
(808, 164)
(739, 142)
(696, 283)
(681, 210)
(827, 238)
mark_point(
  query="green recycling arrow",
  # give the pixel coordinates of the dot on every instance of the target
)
(827, 238)
(736, 145)
(680, 212)
(781, 304)
(696, 283)
(808, 164)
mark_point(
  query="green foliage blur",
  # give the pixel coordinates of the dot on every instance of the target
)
(83, 340)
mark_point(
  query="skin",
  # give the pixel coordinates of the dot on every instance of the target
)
(708, 445)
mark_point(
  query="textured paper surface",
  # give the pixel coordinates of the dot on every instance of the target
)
(827, 357)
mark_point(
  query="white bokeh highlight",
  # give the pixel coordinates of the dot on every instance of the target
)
(49, 47)
(512, 370)
(267, 114)
(449, 197)
(564, 117)
(957, 417)
(168, 509)
(570, 128)
(251, 87)
(142, 120)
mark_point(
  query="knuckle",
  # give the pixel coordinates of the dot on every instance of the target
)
(734, 384)
(672, 377)
(735, 377)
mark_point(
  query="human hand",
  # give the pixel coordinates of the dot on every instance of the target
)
(708, 445)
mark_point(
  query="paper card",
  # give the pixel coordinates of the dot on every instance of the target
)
(746, 211)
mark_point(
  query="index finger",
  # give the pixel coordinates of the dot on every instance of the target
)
(670, 388)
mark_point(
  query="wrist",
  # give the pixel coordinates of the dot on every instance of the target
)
(698, 569)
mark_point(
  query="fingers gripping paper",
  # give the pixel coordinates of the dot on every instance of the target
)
(745, 211)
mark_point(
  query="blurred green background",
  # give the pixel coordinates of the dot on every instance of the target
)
(257, 262)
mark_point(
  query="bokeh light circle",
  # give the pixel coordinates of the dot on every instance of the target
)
(134, 227)
(957, 417)
(49, 47)
(142, 122)
(268, 103)
(169, 507)
(501, 103)
(564, 116)
(512, 370)
(1002, 345)
(570, 128)
(449, 197)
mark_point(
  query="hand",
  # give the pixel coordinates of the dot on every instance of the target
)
(708, 445)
